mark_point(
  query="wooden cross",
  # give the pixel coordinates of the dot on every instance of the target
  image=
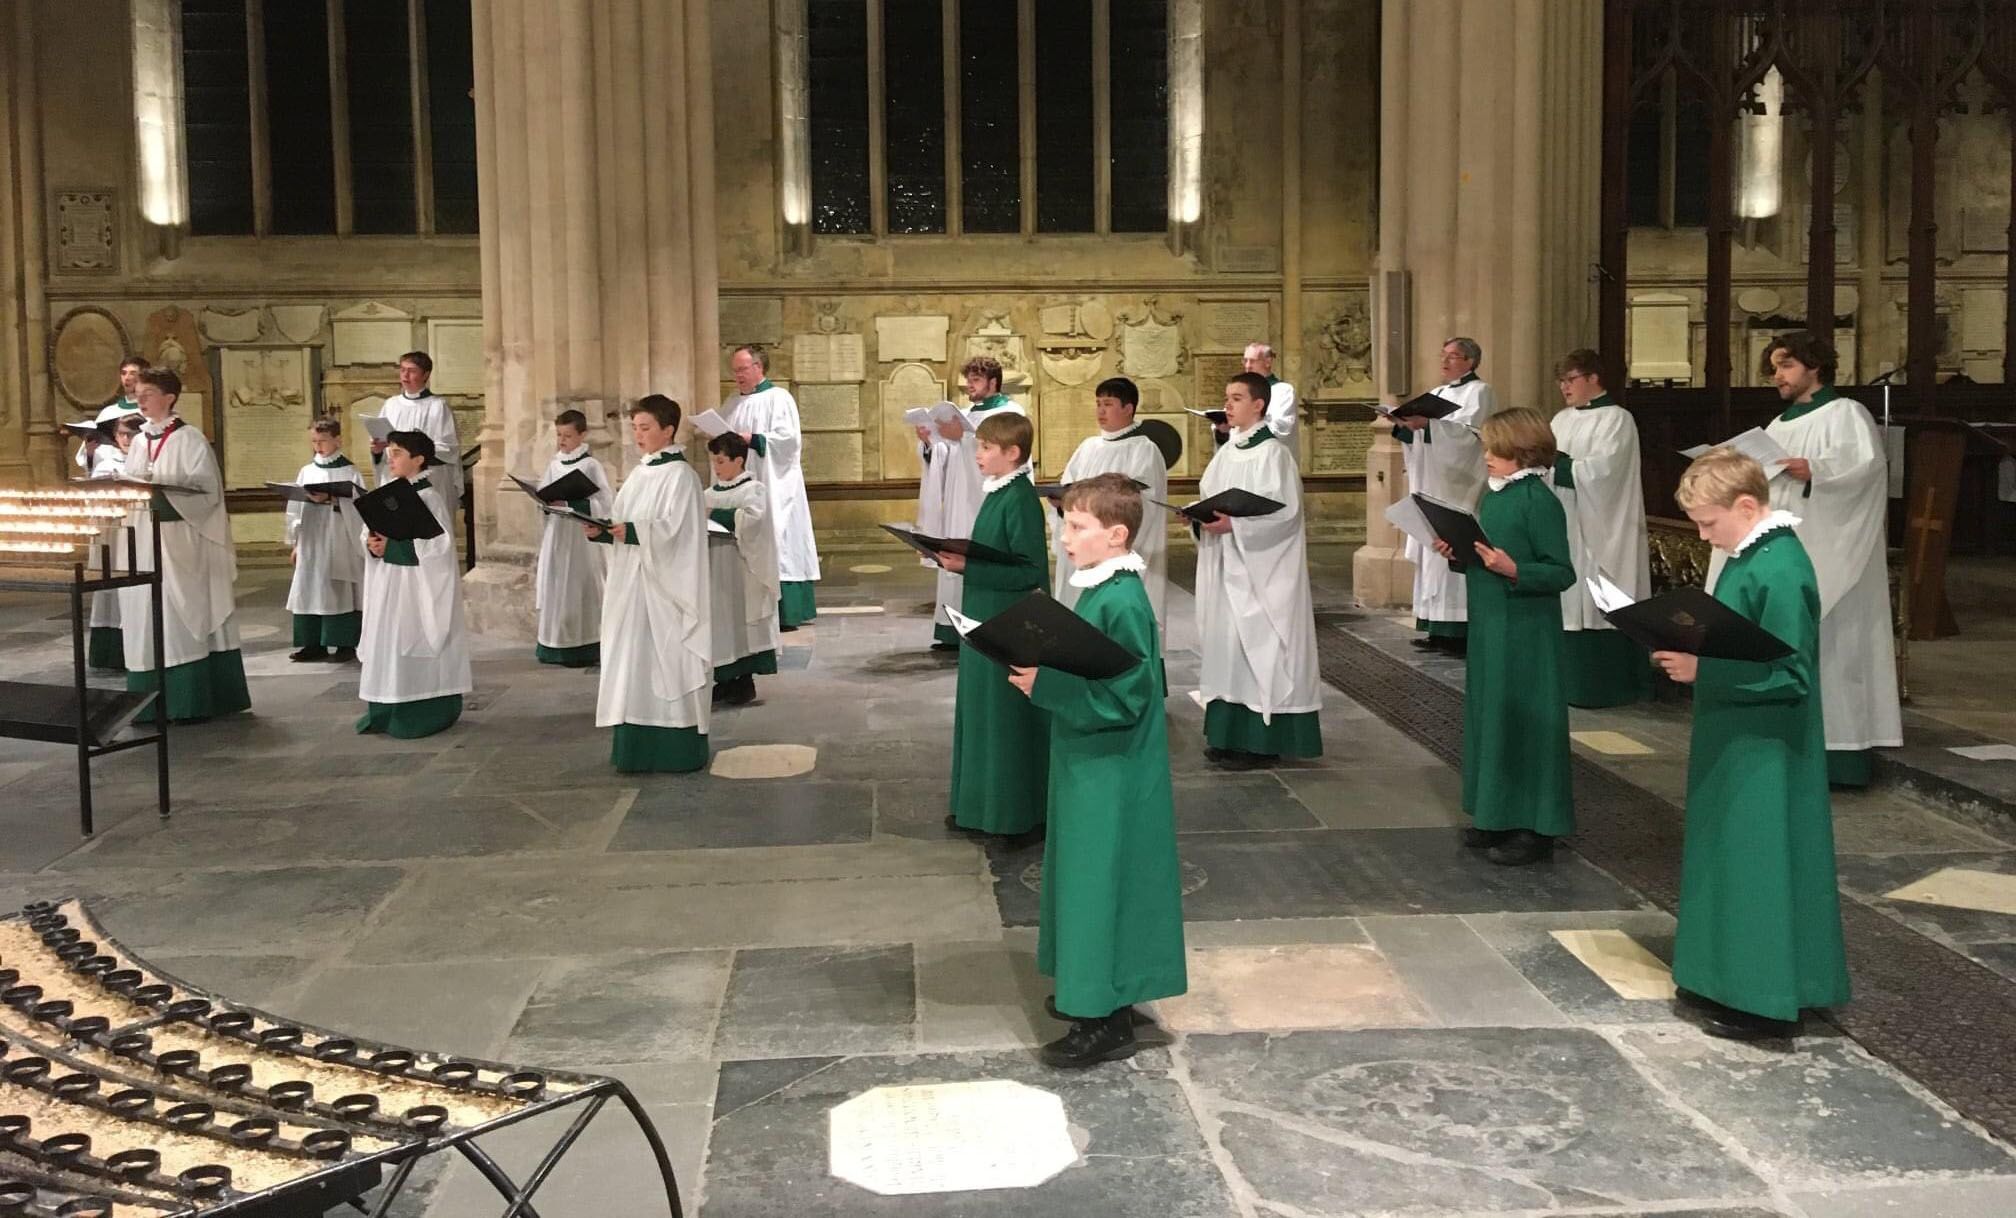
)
(1926, 522)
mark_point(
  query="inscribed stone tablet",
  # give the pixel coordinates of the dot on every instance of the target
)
(1069, 415)
(370, 333)
(456, 343)
(909, 386)
(1228, 325)
(829, 407)
(1339, 446)
(266, 405)
(911, 338)
(832, 358)
(948, 1137)
(231, 326)
(752, 319)
(1150, 348)
(834, 457)
(85, 356)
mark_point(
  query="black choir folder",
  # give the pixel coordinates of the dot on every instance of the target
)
(1427, 406)
(1686, 620)
(1039, 632)
(300, 492)
(1233, 502)
(571, 485)
(931, 547)
(396, 512)
(1454, 526)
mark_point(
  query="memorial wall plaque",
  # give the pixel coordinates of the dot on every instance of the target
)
(828, 358)
(751, 319)
(232, 326)
(173, 342)
(1228, 325)
(835, 456)
(298, 323)
(267, 402)
(87, 231)
(1150, 348)
(456, 343)
(86, 346)
(911, 338)
(370, 333)
(829, 407)
(1070, 415)
(1339, 445)
(910, 385)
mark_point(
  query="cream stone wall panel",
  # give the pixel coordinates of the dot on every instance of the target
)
(920, 337)
(829, 407)
(1073, 366)
(267, 401)
(370, 333)
(173, 341)
(85, 348)
(456, 345)
(1229, 325)
(835, 457)
(751, 319)
(1150, 347)
(298, 323)
(231, 326)
(1068, 419)
(828, 358)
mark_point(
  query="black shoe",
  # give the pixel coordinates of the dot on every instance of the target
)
(1237, 759)
(740, 691)
(1091, 1041)
(1520, 848)
(342, 655)
(786, 629)
(309, 655)
(1133, 1016)
(1728, 1023)
(1484, 839)
(944, 646)
(952, 823)
(1454, 645)
(1426, 642)
(1025, 839)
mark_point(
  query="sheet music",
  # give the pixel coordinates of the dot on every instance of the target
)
(1608, 596)
(1405, 515)
(1755, 444)
(960, 622)
(709, 423)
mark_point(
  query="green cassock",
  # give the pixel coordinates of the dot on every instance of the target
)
(999, 740)
(1515, 710)
(1760, 917)
(1112, 930)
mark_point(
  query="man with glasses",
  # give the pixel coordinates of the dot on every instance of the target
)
(1444, 459)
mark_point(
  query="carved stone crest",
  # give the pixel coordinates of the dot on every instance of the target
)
(1344, 345)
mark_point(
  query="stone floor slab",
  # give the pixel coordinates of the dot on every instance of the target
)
(289, 910)
(463, 1008)
(1484, 1120)
(1274, 932)
(787, 1002)
(1621, 962)
(1961, 888)
(778, 813)
(1381, 797)
(1825, 1114)
(985, 995)
(1241, 989)
(1931, 1198)
(659, 1008)
(1528, 943)
(1872, 877)
(1229, 802)
(1457, 976)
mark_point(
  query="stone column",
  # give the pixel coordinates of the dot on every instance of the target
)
(30, 450)
(595, 155)
(1490, 150)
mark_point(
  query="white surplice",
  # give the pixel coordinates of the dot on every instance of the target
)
(1446, 460)
(414, 647)
(956, 468)
(742, 572)
(1255, 621)
(657, 619)
(567, 590)
(198, 561)
(429, 412)
(772, 413)
(1843, 514)
(1605, 508)
(328, 545)
(108, 463)
(1123, 452)
(1280, 417)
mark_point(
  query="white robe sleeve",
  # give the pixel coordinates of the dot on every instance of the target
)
(1281, 413)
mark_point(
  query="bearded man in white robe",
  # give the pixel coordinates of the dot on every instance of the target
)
(767, 419)
(205, 674)
(1596, 476)
(1444, 459)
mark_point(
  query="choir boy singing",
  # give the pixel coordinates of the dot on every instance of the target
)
(1596, 476)
(1121, 448)
(415, 652)
(743, 572)
(571, 571)
(325, 596)
(418, 408)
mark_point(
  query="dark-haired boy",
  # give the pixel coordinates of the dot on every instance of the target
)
(571, 571)
(743, 571)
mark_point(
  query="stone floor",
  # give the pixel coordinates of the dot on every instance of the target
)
(1378, 1023)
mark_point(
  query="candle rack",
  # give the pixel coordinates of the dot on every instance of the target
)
(126, 1092)
(67, 541)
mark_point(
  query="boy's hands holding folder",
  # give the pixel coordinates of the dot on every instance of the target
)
(954, 563)
(1024, 679)
(1678, 665)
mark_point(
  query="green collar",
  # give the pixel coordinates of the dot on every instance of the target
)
(664, 456)
(1600, 400)
(126, 405)
(338, 463)
(761, 387)
(1272, 380)
(1821, 396)
(1126, 433)
(426, 391)
(729, 486)
(1260, 433)
(577, 459)
(421, 484)
(995, 401)
(1465, 379)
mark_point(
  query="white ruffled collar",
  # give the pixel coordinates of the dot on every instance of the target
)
(1093, 576)
(1531, 471)
(1240, 436)
(1773, 520)
(990, 485)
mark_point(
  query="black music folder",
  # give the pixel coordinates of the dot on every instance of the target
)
(396, 512)
(1453, 525)
(1233, 502)
(571, 485)
(1427, 406)
(1039, 632)
(299, 492)
(930, 547)
(1689, 620)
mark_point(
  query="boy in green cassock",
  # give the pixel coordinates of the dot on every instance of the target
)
(999, 741)
(1759, 938)
(1112, 928)
(1515, 710)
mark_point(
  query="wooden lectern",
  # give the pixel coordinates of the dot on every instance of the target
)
(1936, 455)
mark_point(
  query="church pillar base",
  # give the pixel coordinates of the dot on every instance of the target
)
(1381, 578)
(497, 598)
